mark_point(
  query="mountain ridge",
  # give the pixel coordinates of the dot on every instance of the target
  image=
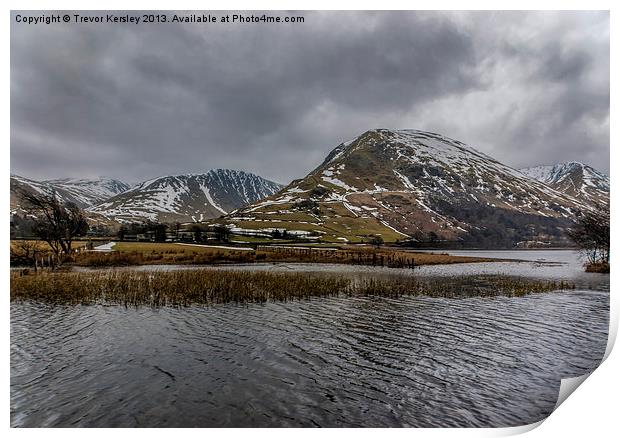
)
(395, 184)
(187, 197)
(413, 184)
(573, 178)
(83, 192)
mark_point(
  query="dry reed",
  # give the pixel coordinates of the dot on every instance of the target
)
(207, 287)
(206, 256)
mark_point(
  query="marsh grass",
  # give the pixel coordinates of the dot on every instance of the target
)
(600, 268)
(180, 257)
(127, 254)
(206, 287)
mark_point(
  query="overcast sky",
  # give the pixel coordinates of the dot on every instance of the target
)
(136, 101)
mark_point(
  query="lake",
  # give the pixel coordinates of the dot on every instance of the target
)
(366, 361)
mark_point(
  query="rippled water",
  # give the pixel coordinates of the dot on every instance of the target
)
(412, 361)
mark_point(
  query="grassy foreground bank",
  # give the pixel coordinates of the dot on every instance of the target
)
(206, 287)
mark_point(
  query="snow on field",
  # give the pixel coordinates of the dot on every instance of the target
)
(105, 247)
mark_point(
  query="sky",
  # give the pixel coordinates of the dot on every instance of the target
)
(137, 101)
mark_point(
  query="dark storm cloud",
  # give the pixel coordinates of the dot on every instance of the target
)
(138, 101)
(548, 99)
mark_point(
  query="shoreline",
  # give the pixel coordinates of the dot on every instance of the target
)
(415, 263)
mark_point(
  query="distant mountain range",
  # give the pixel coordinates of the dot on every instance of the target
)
(83, 192)
(394, 184)
(575, 179)
(408, 184)
(187, 198)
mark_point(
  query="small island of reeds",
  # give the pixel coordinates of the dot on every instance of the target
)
(208, 287)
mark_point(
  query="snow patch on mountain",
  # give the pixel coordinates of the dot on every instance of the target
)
(89, 191)
(573, 178)
(82, 192)
(187, 197)
(421, 183)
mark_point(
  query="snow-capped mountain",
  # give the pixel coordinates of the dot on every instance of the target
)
(408, 183)
(82, 192)
(575, 179)
(191, 197)
(89, 191)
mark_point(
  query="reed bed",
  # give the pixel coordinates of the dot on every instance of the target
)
(176, 254)
(180, 257)
(203, 287)
(600, 268)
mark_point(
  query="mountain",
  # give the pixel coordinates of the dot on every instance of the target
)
(89, 192)
(19, 186)
(186, 198)
(575, 179)
(83, 192)
(409, 184)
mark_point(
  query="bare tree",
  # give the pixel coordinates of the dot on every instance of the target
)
(591, 234)
(26, 252)
(56, 223)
